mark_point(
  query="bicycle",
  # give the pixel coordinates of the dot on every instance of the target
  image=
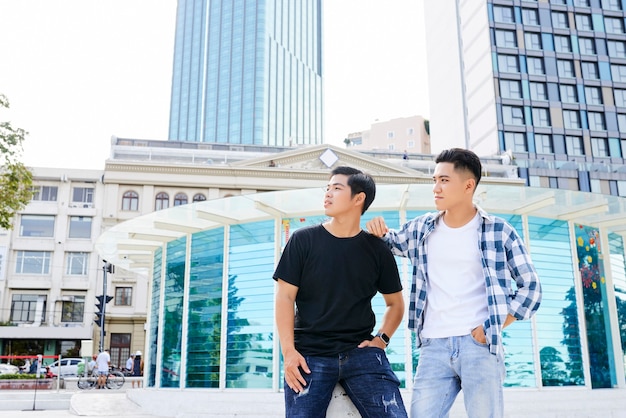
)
(115, 380)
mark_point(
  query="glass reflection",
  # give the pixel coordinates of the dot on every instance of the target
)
(556, 320)
(250, 306)
(154, 315)
(173, 313)
(205, 309)
(597, 322)
(618, 274)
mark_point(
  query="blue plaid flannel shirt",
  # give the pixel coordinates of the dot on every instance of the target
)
(504, 258)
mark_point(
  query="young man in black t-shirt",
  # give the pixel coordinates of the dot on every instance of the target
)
(330, 273)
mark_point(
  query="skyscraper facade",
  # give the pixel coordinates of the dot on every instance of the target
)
(543, 80)
(543, 84)
(248, 72)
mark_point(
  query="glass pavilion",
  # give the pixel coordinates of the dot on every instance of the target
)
(210, 323)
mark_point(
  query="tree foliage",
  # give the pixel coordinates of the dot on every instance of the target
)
(15, 178)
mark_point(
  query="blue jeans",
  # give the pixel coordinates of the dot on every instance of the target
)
(447, 365)
(364, 373)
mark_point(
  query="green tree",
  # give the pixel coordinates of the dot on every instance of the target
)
(15, 178)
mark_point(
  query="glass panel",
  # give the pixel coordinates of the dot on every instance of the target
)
(205, 314)
(618, 273)
(250, 306)
(80, 227)
(591, 268)
(173, 313)
(558, 334)
(37, 226)
(154, 315)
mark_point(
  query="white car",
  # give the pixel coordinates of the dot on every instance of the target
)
(8, 369)
(69, 367)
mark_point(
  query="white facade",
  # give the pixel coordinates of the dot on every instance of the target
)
(460, 77)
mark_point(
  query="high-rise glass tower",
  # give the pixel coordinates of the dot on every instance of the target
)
(248, 72)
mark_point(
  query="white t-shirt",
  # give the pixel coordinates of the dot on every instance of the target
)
(456, 299)
(102, 361)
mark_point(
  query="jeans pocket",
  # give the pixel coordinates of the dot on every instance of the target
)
(478, 343)
(426, 341)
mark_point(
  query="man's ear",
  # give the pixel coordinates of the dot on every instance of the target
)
(470, 184)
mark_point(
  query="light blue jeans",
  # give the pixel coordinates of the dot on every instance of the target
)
(447, 365)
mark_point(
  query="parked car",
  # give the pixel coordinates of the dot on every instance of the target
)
(69, 367)
(8, 369)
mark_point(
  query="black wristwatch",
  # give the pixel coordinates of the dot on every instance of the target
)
(383, 337)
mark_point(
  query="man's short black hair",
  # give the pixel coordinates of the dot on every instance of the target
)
(462, 159)
(358, 182)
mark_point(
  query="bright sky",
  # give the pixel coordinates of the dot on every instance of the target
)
(77, 72)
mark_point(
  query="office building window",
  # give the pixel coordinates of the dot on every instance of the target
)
(620, 97)
(180, 199)
(77, 263)
(583, 22)
(33, 262)
(535, 66)
(618, 73)
(613, 24)
(587, 46)
(581, 3)
(123, 296)
(590, 70)
(532, 40)
(612, 5)
(40, 226)
(511, 89)
(621, 124)
(543, 144)
(596, 121)
(162, 201)
(617, 49)
(391, 147)
(199, 197)
(515, 141)
(565, 68)
(541, 117)
(568, 93)
(562, 43)
(512, 115)
(558, 2)
(130, 201)
(593, 95)
(508, 63)
(44, 193)
(600, 147)
(538, 91)
(24, 308)
(574, 145)
(571, 119)
(82, 196)
(80, 227)
(530, 17)
(559, 20)
(410, 131)
(391, 134)
(73, 309)
(506, 38)
(503, 14)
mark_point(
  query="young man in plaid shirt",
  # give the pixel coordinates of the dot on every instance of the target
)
(464, 261)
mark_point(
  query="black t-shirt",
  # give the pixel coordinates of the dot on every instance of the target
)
(336, 279)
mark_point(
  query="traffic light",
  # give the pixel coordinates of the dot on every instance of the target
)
(102, 300)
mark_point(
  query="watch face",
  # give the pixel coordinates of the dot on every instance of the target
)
(383, 337)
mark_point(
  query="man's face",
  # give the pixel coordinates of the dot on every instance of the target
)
(451, 187)
(337, 198)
